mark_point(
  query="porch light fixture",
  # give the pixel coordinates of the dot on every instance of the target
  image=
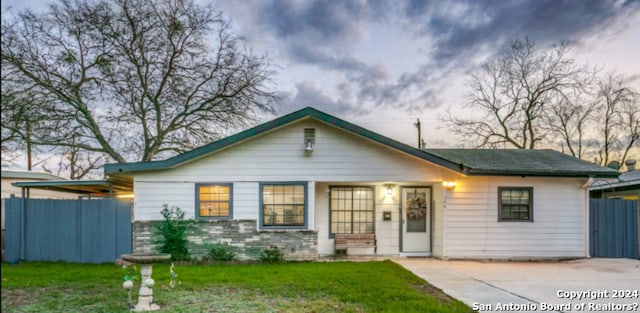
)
(449, 185)
(308, 148)
(389, 192)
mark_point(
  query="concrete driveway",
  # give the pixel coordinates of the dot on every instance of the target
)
(589, 285)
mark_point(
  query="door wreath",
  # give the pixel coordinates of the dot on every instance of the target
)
(416, 208)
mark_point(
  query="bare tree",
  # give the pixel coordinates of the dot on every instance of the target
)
(509, 96)
(75, 163)
(618, 120)
(135, 79)
(569, 118)
(22, 118)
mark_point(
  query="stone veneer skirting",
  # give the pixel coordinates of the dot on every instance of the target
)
(247, 240)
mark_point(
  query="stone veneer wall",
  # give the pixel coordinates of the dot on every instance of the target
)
(241, 234)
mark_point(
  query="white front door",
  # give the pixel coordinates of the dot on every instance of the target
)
(415, 219)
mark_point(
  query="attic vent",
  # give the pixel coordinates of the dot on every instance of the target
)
(309, 135)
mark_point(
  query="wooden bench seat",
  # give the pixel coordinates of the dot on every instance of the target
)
(346, 241)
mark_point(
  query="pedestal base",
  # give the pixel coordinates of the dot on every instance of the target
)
(145, 308)
(145, 298)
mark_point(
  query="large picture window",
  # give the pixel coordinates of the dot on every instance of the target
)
(515, 204)
(352, 210)
(284, 205)
(213, 200)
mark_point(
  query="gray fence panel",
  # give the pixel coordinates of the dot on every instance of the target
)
(123, 229)
(614, 228)
(13, 229)
(88, 231)
(98, 230)
(49, 230)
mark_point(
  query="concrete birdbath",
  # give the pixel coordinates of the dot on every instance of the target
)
(145, 298)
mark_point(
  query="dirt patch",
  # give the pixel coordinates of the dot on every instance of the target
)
(435, 292)
(15, 297)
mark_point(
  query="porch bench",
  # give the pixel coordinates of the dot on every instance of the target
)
(346, 241)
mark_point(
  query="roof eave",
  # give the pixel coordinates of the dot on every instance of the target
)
(587, 174)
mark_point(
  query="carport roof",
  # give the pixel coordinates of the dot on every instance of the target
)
(626, 181)
(7, 173)
(101, 188)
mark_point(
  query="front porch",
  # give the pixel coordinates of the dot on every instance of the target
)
(400, 214)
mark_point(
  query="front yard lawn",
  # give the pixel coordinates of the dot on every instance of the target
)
(287, 287)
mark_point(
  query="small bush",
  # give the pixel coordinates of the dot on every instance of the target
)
(174, 234)
(273, 254)
(221, 251)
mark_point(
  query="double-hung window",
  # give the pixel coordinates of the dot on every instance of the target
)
(352, 210)
(214, 200)
(284, 205)
(515, 204)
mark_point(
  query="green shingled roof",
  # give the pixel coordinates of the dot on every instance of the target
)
(521, 162)
(468, 162)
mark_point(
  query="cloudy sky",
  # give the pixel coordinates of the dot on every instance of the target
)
(383, 63)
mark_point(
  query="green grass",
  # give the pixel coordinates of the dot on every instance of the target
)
(287, 287)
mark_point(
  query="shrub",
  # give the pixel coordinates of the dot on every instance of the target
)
(174, 234)
(273, 254)
(221, 251)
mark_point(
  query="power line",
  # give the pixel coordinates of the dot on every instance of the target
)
(390, 118)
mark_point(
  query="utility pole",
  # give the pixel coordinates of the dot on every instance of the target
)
(29, 152)
(418, 125)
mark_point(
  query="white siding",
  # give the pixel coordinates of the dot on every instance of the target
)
(438, 221)
(558, 227)
(279, 156)
(388, 232)
(152, 195)
(246, 199)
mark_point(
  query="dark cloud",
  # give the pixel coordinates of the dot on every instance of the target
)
(324, 20)
(500, 22)
(325, 34)
(308, 94)
(370, 79)
(462, 29)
